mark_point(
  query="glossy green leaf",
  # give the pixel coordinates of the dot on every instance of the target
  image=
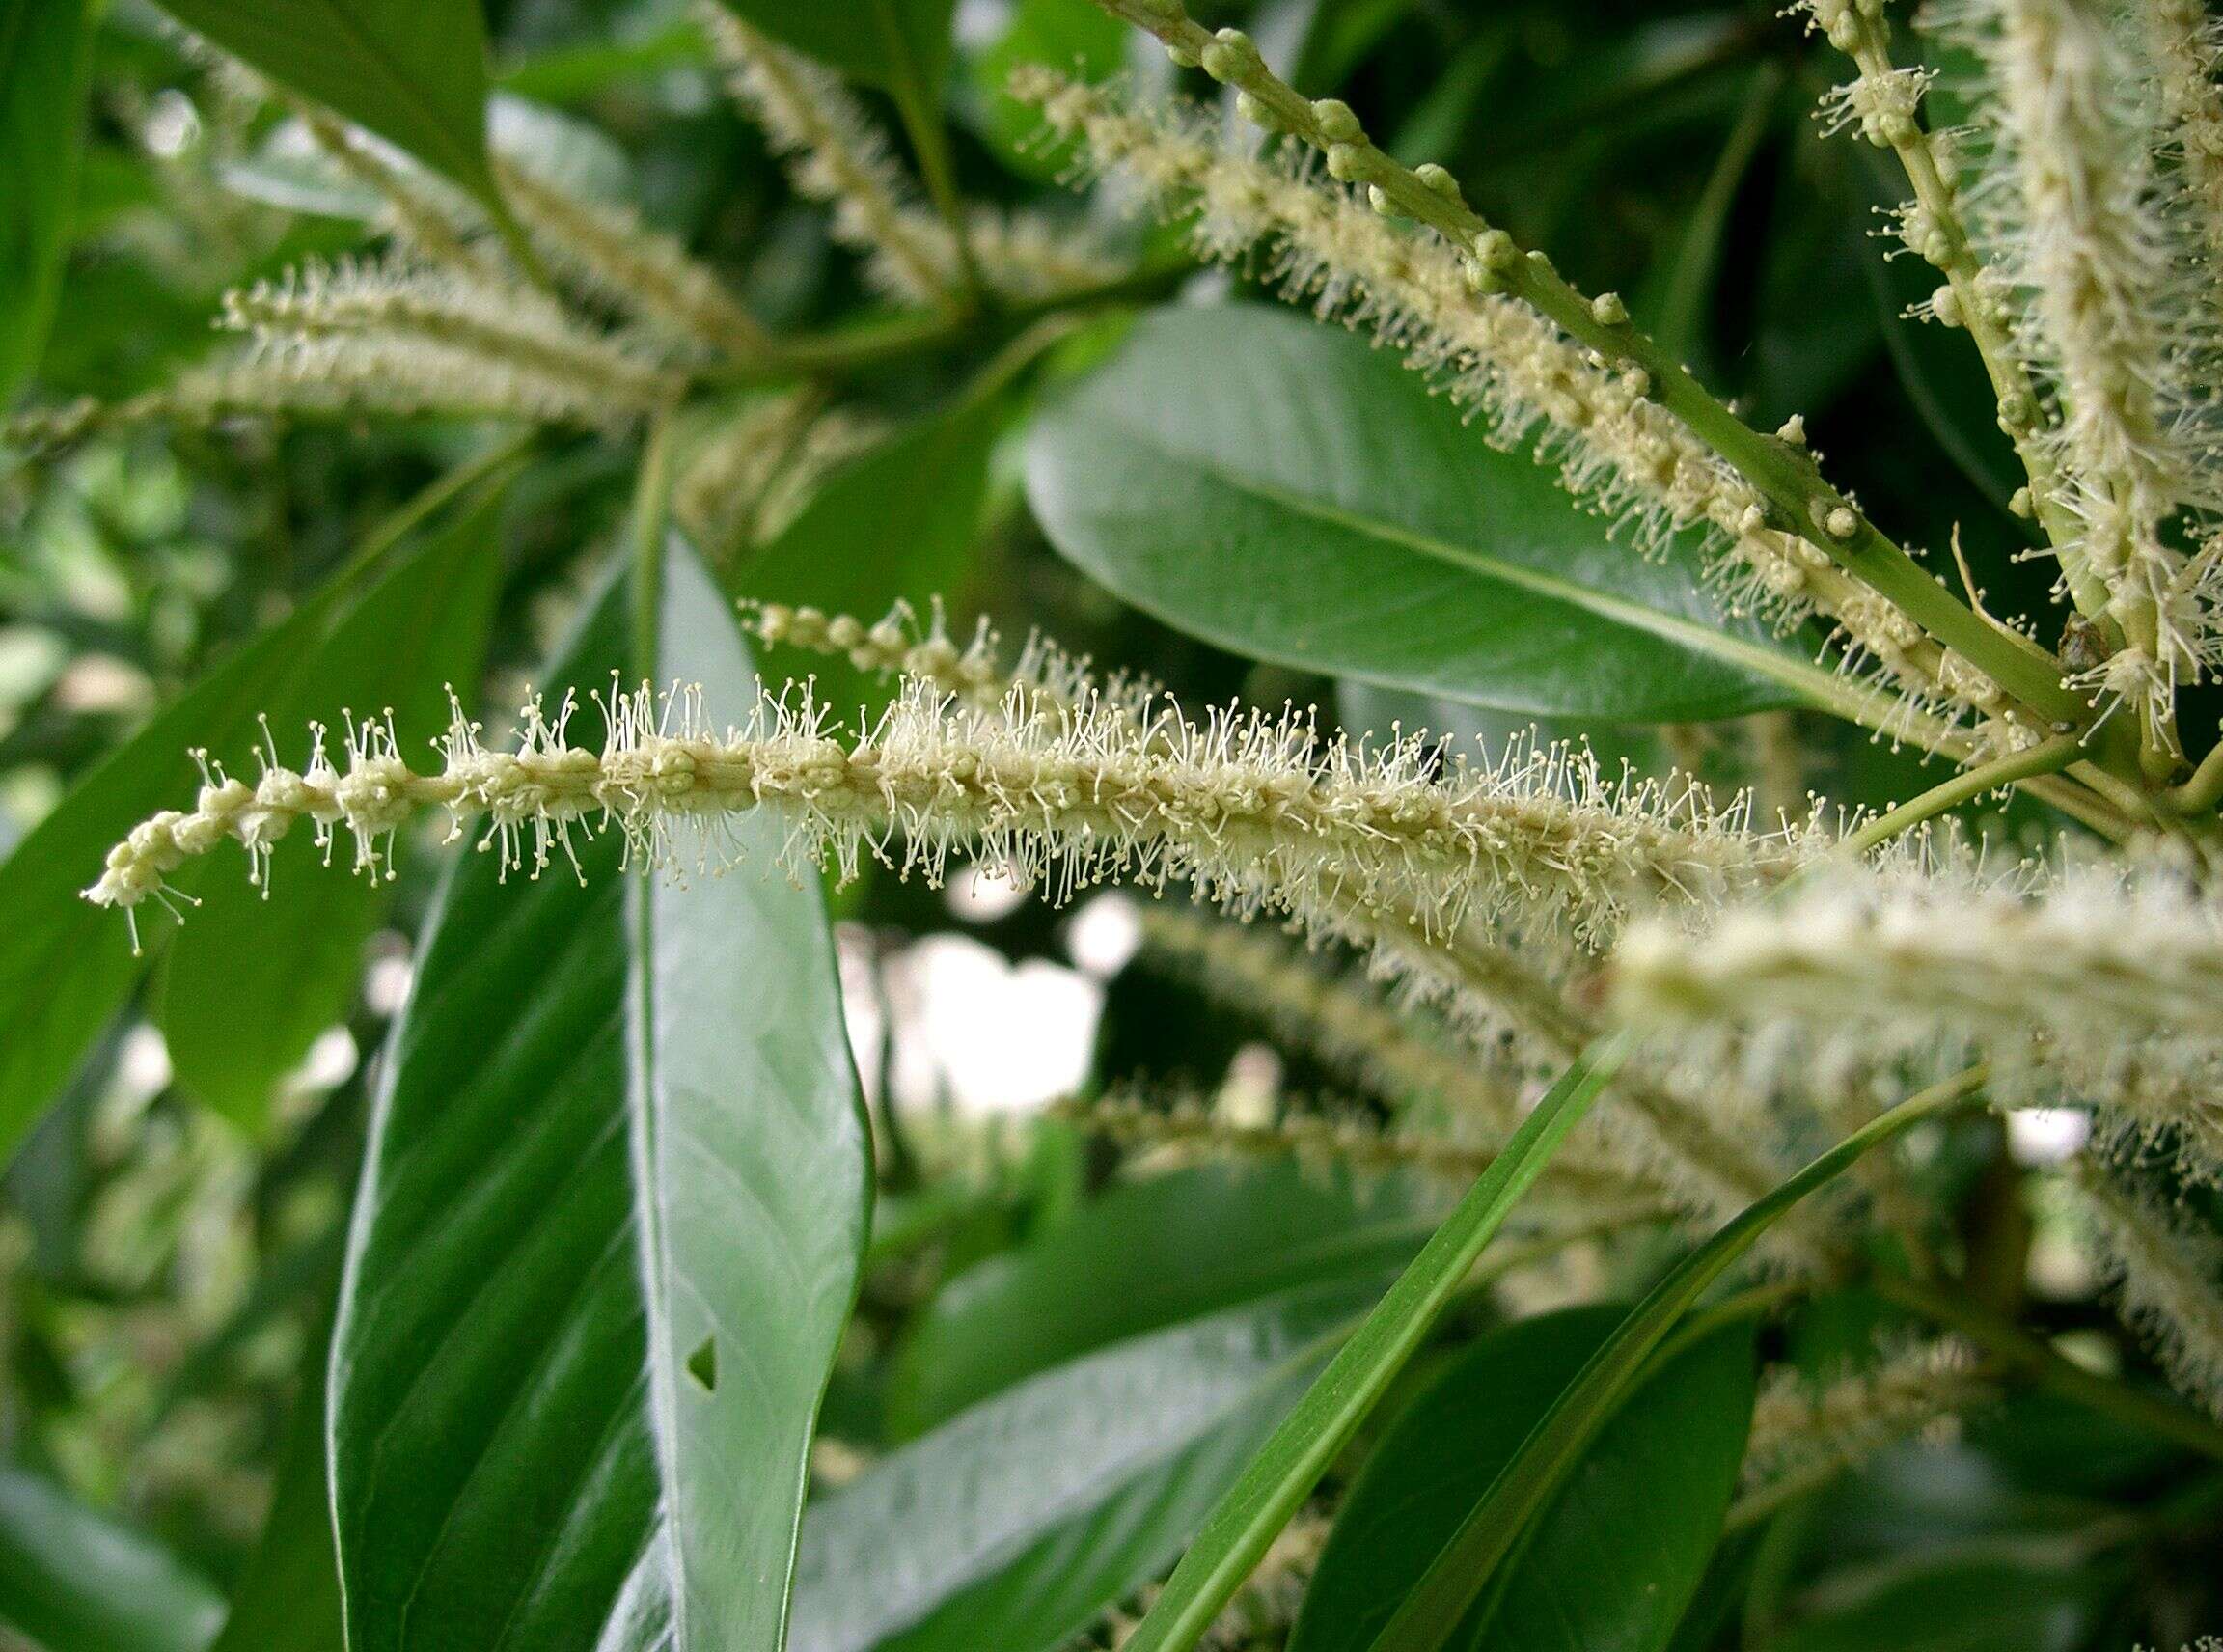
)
(45, 49)
(1281, 489)
(1147, 1254)
(1283, 1474)
(607, 1237)
(1955, 1602)
(250, 981)
(886, 42)
(414, 72)
(1612, 1563)
(76, 1581)
(1431, 1613)
(1014, 1525)
(66, 967)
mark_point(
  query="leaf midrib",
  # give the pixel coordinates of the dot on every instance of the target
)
(1814, 685)
(474, 163)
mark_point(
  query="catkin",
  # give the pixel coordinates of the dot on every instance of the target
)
(1613, 448)
(2083, 986)
(1251, 810)
(2167, 1276)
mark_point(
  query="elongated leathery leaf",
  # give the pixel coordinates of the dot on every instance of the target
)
(1283, 1474)
(414, 72)
(1278, 488)
(66, 967)
(1613, 1560)
(607, 1237)
(1469, 1560)
(250, 981)
(78, 1580)
(45, 47)
(1015, 1524)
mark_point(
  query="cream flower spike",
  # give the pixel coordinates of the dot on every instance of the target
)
(1619, 451)
(1806, 1432)
(357, 373)
(2166, 1273)
(2072, 217)
(1252, 809)
(1044, 677)
(836, 156)
(2090, 988)
(325, 308)
(639, 273)
(1190, 1128)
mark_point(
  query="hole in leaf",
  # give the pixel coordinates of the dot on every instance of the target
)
(703, 1365)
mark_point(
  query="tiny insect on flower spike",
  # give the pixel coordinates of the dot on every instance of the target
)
(1797, 497)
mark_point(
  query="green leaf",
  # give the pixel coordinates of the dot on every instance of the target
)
(890, 42)
(1613, 1563)
(250, 981)
(1284, 1473)
(76, 1581)
(897, 522)
(287, 1596)
(1147, 1254)
(1431, 1613)
(414, 72)
(609, 1230)
(1014, 1525)
(66, 967)
(1278, 488)
(45, 53)
(1957, 1603)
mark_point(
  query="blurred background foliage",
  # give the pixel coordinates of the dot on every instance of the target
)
(170, 1252)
